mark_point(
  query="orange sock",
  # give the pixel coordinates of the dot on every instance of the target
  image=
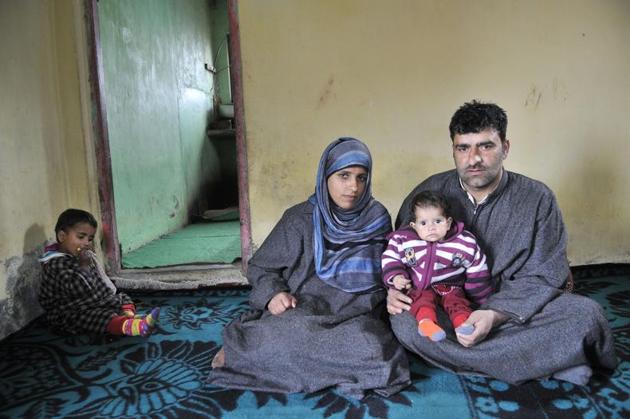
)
(431, 330)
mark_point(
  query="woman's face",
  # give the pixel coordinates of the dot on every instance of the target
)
(346, 186)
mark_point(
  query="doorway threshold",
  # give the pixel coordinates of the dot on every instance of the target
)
(183, 277)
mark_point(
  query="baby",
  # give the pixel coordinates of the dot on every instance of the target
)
(75, 292)
(436, 260)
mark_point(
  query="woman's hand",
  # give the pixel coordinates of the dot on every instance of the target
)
(483, 321)
(397, 301)
(281, 302)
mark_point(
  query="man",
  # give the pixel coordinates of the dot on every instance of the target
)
(529, 328)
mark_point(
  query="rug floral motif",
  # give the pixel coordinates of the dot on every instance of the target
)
(43, 375)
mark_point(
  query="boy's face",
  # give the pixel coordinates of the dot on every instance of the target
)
(430, 224)
(76, 238)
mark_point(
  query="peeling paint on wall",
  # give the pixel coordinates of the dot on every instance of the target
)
(44, 163)
(21, 305)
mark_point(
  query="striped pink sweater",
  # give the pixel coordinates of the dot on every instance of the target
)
(455, 260)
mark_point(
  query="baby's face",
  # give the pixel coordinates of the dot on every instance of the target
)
(78, 237)
(430, 224)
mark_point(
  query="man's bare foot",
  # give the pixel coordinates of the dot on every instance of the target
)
(219, 359)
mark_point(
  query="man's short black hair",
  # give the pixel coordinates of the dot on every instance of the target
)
(426, 199)
(474, 117)
(72, 217)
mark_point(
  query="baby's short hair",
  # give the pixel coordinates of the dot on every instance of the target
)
(426, 199)
(72, 217)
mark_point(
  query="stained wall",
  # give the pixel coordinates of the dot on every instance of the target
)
(46, 159)
(392, 74)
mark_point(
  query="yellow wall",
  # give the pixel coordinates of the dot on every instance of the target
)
(44, 166)
(393, 72)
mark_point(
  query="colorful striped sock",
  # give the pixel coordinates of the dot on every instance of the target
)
(136, 327)
(152, 317)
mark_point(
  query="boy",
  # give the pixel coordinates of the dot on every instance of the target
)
(441, 260)
(75, 292)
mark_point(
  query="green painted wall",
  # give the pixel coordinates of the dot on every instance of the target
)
(220, 29)
(158, 99)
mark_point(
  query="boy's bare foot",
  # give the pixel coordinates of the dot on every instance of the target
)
(219, 359)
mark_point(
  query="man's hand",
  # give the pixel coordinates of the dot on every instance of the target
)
(281, 302)
(483, 321)
(401, 283)
(397, 301)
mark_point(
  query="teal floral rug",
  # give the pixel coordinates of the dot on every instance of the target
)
(47, 376)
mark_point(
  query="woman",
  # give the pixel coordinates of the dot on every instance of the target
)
(317, 296)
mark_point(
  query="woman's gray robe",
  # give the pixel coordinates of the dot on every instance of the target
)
(332, 338)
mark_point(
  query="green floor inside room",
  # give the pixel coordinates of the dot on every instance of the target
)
(206, 242)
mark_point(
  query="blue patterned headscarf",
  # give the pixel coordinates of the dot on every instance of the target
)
(348, 243)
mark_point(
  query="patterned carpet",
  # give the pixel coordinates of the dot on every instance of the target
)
(45, 376)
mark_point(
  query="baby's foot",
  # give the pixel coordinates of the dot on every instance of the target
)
(465, 329)
(431, 330)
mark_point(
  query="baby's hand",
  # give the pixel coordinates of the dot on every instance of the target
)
(281, 302)
(401, 283)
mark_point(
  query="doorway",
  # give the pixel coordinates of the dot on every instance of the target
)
(170, 147)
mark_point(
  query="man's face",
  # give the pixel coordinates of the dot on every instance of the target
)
(479, 159)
